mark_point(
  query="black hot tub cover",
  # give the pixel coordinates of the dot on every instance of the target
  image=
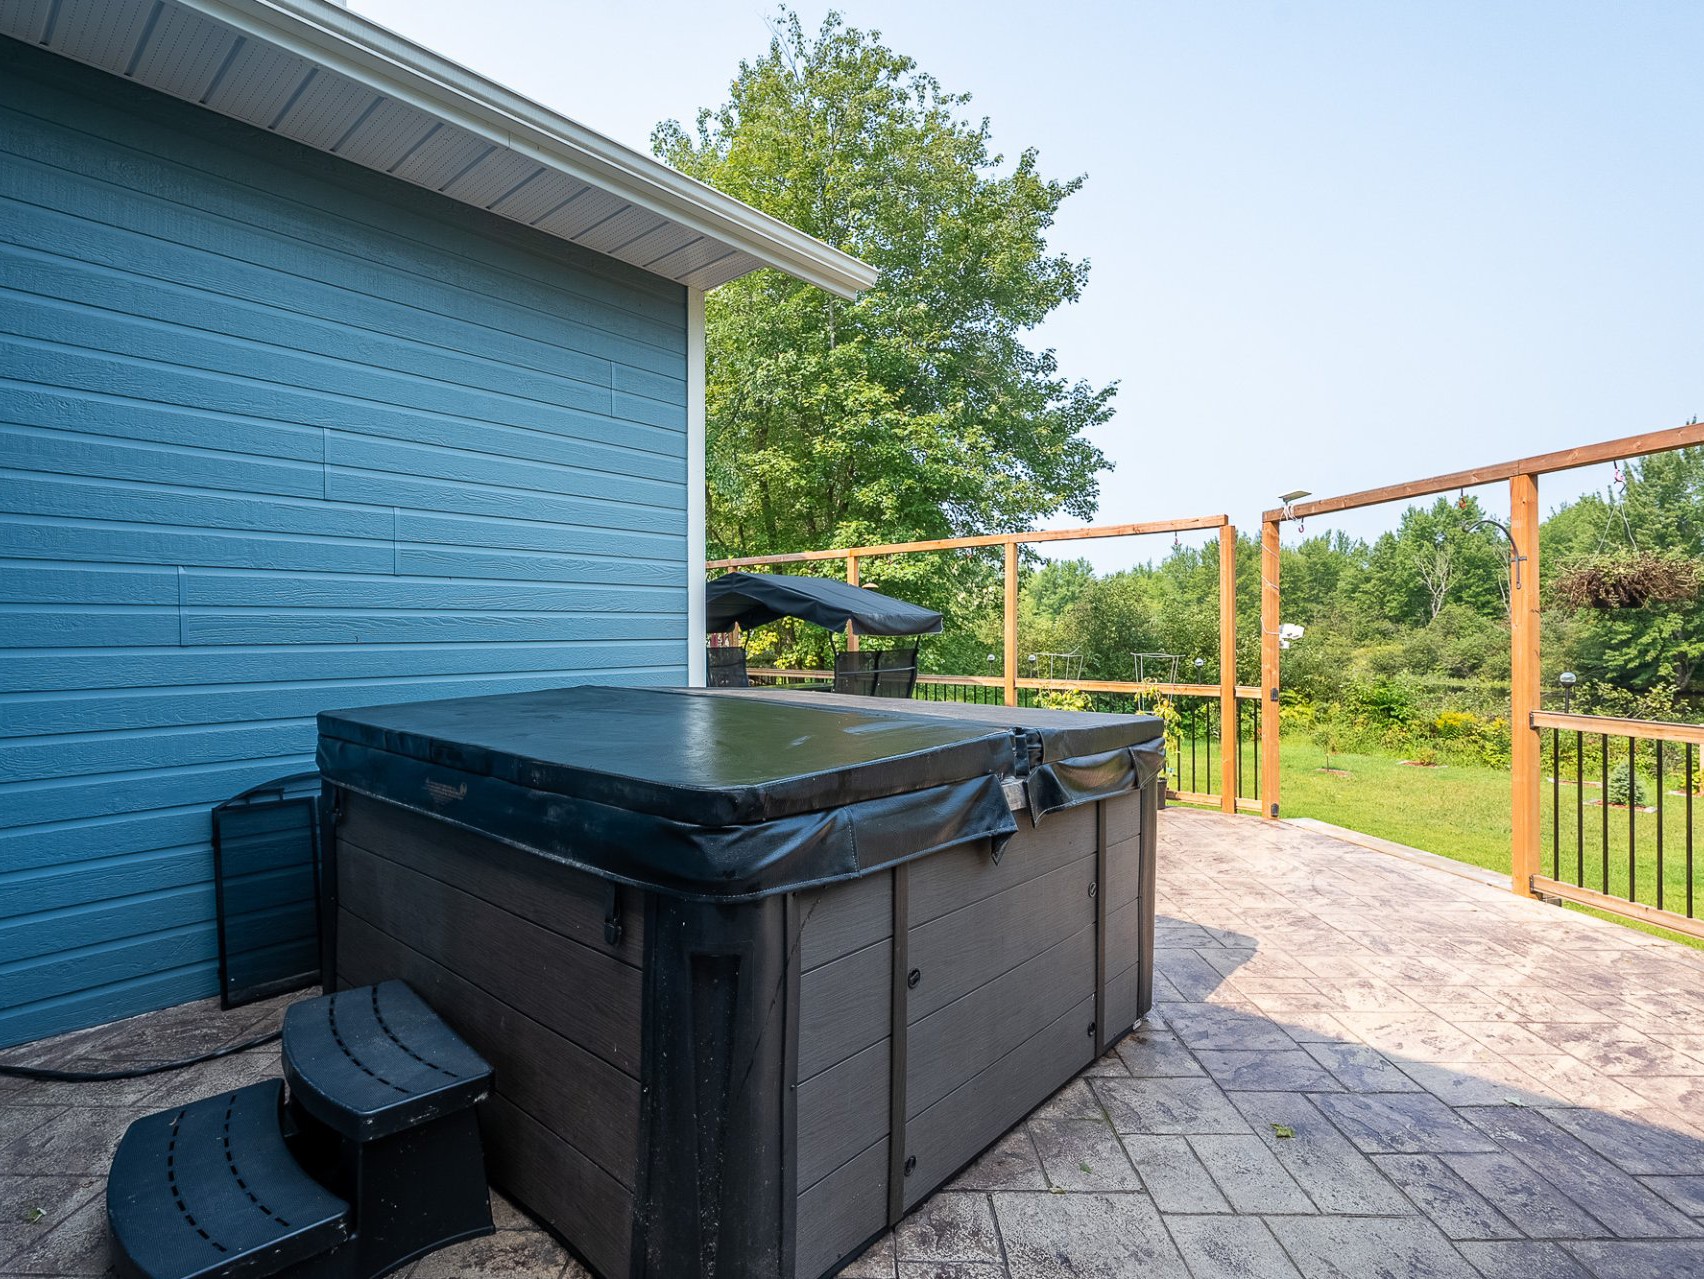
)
(714, 797)
(751, 599)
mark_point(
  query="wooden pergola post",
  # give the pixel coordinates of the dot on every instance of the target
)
(1269, 668)
(852, 580)
(1011, 622)
(1524, 682)
(1230, 723)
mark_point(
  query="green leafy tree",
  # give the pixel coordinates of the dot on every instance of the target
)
(1661, 510)
(917, 411)
(1056, 586)
(1434, 558)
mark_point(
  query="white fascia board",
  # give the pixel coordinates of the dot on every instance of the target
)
(389, 64)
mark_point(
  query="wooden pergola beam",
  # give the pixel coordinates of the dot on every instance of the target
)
(1665, 441)
(982, 539)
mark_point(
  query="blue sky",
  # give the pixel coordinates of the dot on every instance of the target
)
(1335, 244)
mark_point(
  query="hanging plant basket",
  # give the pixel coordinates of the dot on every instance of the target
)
(1634, 579)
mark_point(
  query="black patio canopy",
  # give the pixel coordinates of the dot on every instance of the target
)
(751, 599)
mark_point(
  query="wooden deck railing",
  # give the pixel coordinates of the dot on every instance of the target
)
(1526, 843)
(1243, 764)
(1634, 857)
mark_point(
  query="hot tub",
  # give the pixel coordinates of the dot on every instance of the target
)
(756, 972)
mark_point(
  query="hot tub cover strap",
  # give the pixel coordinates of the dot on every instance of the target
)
(1065, 783)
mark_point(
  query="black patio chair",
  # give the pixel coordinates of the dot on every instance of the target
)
(856, 672)
(726, 668)
(896, 673)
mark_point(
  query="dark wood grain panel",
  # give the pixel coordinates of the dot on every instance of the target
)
(842, 918)
(841, 1211)
(582, 994)
(547, 893)
(1123, 936)
(583, 1100)
(1123, 873)
(967, 1120)
(972, 1033)
(958, 952)
(1123, 817)
(1124, 1000)
(571, 1195)
(955, 878)
(842, 1112)
(844, 1007)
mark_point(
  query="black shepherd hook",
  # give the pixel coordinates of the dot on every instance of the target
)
(1515, 557)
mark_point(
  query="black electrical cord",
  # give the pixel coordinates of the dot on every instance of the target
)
(137, 1072)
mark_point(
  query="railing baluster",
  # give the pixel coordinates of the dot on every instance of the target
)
(1659, 823)
(1632, 812)
(1207, 745)
(1603, 803)
(1687, 783)
(1254, 744)
(1192, 748)
(1580, 807)
(1555, 804)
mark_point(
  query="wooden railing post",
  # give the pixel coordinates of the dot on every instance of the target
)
(1230, 722)
(1011, 622)
(852, 580)
(1269, 668)
(1524, 682)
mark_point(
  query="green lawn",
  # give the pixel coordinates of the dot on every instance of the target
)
(1457, 812)
(1462, 812)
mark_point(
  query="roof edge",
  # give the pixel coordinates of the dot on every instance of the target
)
(397, 67)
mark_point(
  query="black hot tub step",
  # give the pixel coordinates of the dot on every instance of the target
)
(375, 1061)
(209, 1191)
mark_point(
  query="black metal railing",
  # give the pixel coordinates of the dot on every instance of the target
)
(1639, 844)
(1195, 742)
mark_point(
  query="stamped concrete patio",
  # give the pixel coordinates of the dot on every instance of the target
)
(1361, 1066)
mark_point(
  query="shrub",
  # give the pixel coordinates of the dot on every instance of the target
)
(1626, 786)
(1064, 699)
(1384, 702)
(1454, 725)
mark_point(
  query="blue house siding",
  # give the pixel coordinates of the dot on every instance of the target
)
(279, 434)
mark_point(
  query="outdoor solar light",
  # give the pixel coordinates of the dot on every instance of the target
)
(1567, 679)
(1288, 502)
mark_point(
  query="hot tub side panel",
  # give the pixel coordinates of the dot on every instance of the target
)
(845, 1000)
(993, 986)
(1130, 834)
(1000, 990)
(536, 965)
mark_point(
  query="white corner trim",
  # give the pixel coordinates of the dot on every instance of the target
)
(696, 659)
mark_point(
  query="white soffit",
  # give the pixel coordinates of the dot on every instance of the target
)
(329, 79)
